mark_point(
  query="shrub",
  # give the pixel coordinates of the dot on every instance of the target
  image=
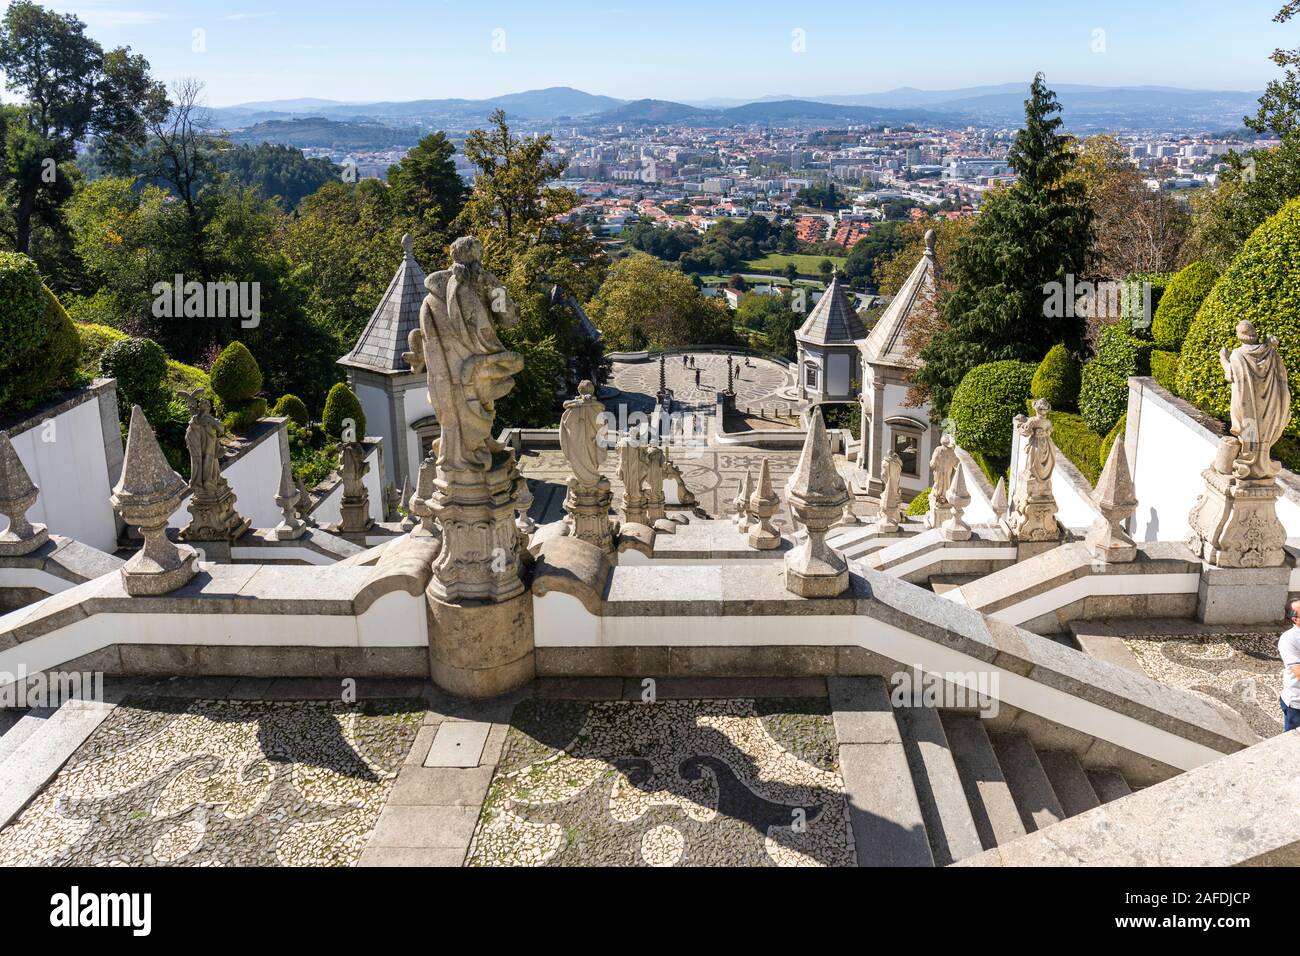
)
(294, 408)
(1180, 303)
(51, 366)
(919, 505)
(139, 366)
(1164, 369)
(1132, 303)
(1077, 442)
(240, 418)
(342, 404)
(188, 378)
(235, 376)
(985, 402)
(1057, 379)
(1111, 437)
(95, 340)
(1262, 284)
(1103, 398)
(1123, 353)
(23, 325)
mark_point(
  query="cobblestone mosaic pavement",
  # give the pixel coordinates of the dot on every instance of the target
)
(1240, 670)
(758, 384)
(682, 782)
(220, 783)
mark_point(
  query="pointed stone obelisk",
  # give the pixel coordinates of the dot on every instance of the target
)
(290, 526)
(147, 495)
(17, 494)
(817, 495)
(955, 527)
(763, 503)
(743, 518)
(1116, 499)
(999, 501)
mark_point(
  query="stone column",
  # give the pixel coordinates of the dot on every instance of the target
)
(17, 495)
(1116, 499)
(147, 495)
(816, 494)
(763, 504)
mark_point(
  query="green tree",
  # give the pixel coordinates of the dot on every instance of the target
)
(425, 185)
(647, 304)
(1032, 234)
(73, 91)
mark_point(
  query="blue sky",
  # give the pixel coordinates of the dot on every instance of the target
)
(685, 49)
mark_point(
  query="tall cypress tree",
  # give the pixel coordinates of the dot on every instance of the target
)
(1026, 236)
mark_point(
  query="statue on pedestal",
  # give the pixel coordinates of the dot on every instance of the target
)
(1033, 506)
(632, 473)
(891, 501)
(355, 507)
(468, 369)
(212, 502)
(943, 467)
(1234, 522)
(587, 501)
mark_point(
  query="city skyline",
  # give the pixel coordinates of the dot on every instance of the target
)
(399, 50)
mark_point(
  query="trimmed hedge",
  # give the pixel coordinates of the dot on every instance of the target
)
(188, 378)
(294, 408)
(23, 321)
(235, 375)
(1132, 306)
(51, 366)
(1180, 303)
(1164, 369)
(95, 340)
(139, 365)
(918, 505)
(1104, 395)
(1263, 285)
(985, 402)
(240, 418)
(1077, 442)
(1058, 379)
(1111, 437)
(342, 404)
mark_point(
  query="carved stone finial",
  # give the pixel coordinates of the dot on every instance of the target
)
(1116, 499)
(1033, 506)
(355, 506)
(212, 501)
(999, 501)
(146, 496)
(955, 528)
(891, 500)
(408, 246)
(743, 493)
(816, 494)
(763, 504)
(929, 242)
(290, 527)
(17, 495)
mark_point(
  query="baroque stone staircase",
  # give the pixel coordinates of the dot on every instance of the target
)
(930, 787)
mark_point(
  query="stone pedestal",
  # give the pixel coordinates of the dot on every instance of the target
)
(588, 514)
(481, 649)
(1243, 595)
(479, 559)
(213, 517)
(1234, 522)
(938, 515)
(355, 515)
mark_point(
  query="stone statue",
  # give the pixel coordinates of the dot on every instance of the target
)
(212, 502)
(581, 428)
(685, 496)
(655, 473)
(1234, 523)
(355, 506)
(1261, 404)
(1033, 506)
(891, 501)
(476, 489)
(943, 467)
(631, 472)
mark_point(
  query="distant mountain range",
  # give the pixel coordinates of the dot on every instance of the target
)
(1085, 109)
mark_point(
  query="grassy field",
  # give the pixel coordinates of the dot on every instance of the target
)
(807, 265)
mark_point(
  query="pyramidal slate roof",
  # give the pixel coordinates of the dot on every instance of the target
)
(383, 341)
(887, 342)
(833, 320)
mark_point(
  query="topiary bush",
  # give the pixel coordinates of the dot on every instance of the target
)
(139, 366)
(187, 378)
(1112, 436)
(22, 310)
(293, 408)
(235, 375)
(240, 418)
(1133, 304)
(1077, 442)
(1057, 379)
(342, 404)
(918, 505)
(95, 340)
(1261, 284)
(51, 366)
(985, 402)
(1181, 301)
(1103, 396)
(1164, 369)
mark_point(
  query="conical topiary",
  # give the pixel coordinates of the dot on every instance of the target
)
(235, 375)
(341, 406)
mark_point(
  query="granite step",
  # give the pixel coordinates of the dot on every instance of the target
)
(31, 765)
(16, 726)
(1108, 784)
(1069, 782)
(1030, 788)
(997, 819)
(948, 820)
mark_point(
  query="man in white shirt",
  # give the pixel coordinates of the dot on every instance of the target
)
(1288, 648)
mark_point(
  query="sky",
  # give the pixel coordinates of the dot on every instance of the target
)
(366, 50)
